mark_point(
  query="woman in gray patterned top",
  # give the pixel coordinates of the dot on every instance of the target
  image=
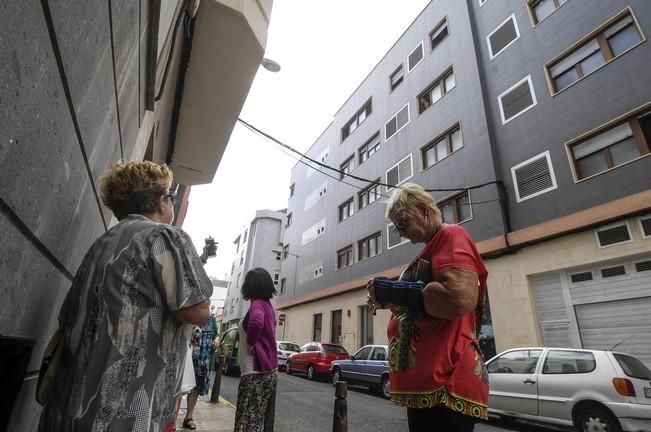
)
(126, 317)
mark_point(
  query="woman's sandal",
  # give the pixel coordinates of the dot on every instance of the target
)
(188, 423)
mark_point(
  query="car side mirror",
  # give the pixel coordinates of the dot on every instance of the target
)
(351, 357)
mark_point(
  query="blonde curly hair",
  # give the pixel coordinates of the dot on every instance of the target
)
(407, 199)
(134, 187)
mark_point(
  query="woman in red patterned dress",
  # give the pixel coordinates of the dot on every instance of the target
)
(436, 367)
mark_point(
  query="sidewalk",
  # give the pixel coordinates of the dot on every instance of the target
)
(209, 416)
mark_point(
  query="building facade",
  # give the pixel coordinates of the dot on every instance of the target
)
(529, 121)
(258, 245)
(85, 84)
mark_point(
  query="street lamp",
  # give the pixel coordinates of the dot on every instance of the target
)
(270, 65)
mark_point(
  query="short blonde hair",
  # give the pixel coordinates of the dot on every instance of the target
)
(134, 187)
(406, 200)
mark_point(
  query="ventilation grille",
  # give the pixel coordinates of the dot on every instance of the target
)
(613, 271)
(643, 266)
(581, 277)
(646, 226)
(533, 178)
(613, 235)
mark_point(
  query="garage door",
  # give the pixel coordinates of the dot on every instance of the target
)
(623, 322)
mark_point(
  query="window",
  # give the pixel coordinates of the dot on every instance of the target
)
(291, 190)
(322, 157)
(242, 258)
(318, 272)
(581, 277)
(346, 209)
(515, 362)
(533, 177)
(369, 194)
(517, 100)
(541, 9)
(313, 232)
(433, 93)
(393, 237)
(645, 225)
(278, 254)
(369, 148)
(316, 327)
(399, 173)
(366, 325)
(347, 167)
(612, 147)
(315, 196)
(600, 47)
(276, 277)
(289, 220)
(612, 235)
(345, 257)
(481, 2)
(396, 77)
(439, 33)
(370, 246)
(283, 285)
(456, 209)
(613, 271)
(335, 326)
(450, 141)
(397, 122)
(503, 36)
(568, 362)
(285, 251)
(357, 120)
(415, 56)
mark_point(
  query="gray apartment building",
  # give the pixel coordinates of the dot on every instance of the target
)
(530, 122)
(85, 84)
(258, 245)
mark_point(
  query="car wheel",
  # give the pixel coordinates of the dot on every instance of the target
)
(386, 387)
(596, 419)
(310, 372)
(507, 420)
(336, 376)
(288, 368)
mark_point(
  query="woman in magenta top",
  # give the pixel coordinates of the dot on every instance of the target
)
(256, 393)
(435, 366)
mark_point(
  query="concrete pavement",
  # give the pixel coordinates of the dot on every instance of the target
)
(209, 416)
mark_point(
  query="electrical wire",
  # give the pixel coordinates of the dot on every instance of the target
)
(284, 148)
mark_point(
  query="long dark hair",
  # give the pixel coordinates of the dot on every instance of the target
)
(258, 285)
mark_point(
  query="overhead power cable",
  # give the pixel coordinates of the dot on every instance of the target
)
(321, 164)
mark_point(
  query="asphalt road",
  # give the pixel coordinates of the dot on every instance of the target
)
(307, 406)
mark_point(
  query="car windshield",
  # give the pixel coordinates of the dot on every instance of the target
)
(633, 366)
(285, 346)
(335, 349)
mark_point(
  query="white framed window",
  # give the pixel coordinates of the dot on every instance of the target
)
(517, 99)
(276, 278)
(315, 196)
(400, 172)
(347, 166)
(322, 157)
(397, 122)
(614, 234)
(541, 9)
(481, 2)
(533, 177)
(503, 36)
(356, 120)
(318, 272)
(645, 225)
(415, 57)
(369, 194)
(393, 237)
(345, 257)
(347, 209)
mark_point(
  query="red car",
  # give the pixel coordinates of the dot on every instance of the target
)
(315, 358)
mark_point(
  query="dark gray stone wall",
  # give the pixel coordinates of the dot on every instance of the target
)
(49, 209)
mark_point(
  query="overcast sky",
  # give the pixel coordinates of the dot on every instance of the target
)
(325, 49)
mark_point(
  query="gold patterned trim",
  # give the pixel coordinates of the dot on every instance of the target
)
(441, 396)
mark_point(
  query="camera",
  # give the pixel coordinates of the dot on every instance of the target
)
(212, 247)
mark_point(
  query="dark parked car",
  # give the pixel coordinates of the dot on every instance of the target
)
(315, 358)
(369, 366)
(228, 351)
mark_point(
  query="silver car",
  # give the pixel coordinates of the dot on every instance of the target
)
(592, 390)
(285, 349)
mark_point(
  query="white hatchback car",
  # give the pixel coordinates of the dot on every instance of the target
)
(285, 349)
(592, 390)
